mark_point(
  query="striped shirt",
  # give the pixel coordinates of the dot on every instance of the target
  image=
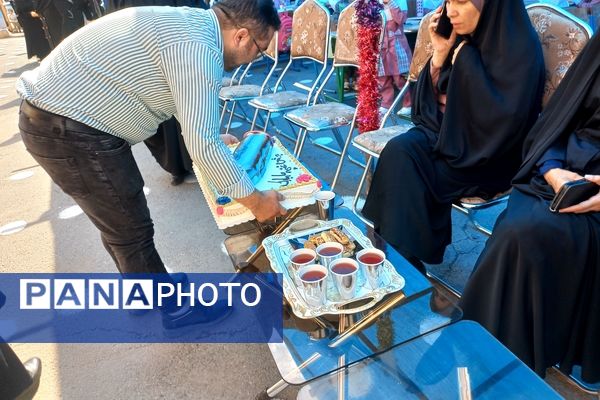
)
(127, 72)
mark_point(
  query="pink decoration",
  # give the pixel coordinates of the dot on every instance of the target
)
(369, 31)
(303, 178)
(220, 210)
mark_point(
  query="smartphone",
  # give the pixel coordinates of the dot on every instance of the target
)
(444, 27)
(572, 193)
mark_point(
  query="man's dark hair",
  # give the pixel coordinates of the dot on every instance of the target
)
(255, 15)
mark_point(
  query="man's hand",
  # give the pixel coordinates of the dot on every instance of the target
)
(590, 205)
(557, 177)
(229, 139)
(264, 205)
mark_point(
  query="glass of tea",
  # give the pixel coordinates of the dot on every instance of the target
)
(329, 251)
(370, 261)
(314, 283)
(301, 258)
(344, 272)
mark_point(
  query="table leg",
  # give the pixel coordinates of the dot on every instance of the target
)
(277, 388)
(341, 363)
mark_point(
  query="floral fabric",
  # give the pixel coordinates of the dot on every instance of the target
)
(279, 101)
(562, 40)
(423, 49)
(346, 51)
(239, 92)
(322, 116)
(310, 31)
(375, 141)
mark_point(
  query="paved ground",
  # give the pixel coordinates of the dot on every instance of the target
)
(57, 238)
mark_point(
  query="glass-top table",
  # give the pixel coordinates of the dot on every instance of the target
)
(307, 353)
(428, 368)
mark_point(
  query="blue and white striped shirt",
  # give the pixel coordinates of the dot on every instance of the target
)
(127, 72)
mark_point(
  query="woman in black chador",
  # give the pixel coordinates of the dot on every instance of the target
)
(473, 105)
(536, 285)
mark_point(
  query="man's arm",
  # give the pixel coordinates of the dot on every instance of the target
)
(194, 72)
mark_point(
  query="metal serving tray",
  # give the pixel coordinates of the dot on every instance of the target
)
(279, 247)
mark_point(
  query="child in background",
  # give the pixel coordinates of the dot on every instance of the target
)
(395, 55)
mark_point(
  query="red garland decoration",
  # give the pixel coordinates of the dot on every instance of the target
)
(368, 99)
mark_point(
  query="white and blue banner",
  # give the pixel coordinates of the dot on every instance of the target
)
(141, 308)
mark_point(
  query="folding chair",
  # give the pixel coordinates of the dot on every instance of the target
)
(231, 80)
(563, 36)
(310, 41)
(241, 92)
(331, 116)
(372, 143)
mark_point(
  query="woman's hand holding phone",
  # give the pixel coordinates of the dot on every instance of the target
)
(590, 205)
(441, 45)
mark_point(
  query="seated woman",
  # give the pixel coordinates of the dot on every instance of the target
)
(473, 105)
(536, 285)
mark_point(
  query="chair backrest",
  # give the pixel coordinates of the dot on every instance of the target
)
(346, 49)
(310, 40)
(423, 49)
(421, 55)
(563, 36)
(346, 45)
(310, 32)
(273, 50)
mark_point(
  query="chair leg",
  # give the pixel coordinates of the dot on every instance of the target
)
(267, 120)
(300, 142)
(361, 183)
(254, 119)
(224, 110)
(338, 138)
(343, 155)
(230, 117)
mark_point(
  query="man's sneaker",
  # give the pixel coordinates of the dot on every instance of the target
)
(187, 319)
(177, 277)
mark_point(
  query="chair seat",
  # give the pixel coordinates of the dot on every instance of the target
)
(322, 116)
(239, 92)
(227, 81)
(479, 202)
(375, 141)
(274, 102)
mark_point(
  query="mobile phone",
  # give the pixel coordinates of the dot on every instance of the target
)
(572, 193)
(444, 27)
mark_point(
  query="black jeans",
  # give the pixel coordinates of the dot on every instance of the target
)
(99, 172)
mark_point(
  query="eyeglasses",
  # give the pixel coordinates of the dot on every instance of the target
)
(260, 51)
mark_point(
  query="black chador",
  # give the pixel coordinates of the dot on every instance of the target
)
(474, 148)
(536, 285)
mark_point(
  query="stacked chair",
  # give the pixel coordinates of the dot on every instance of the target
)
(318, 117)
(310, 41)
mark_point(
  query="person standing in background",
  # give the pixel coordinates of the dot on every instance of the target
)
(36, 40)
(395, 55)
